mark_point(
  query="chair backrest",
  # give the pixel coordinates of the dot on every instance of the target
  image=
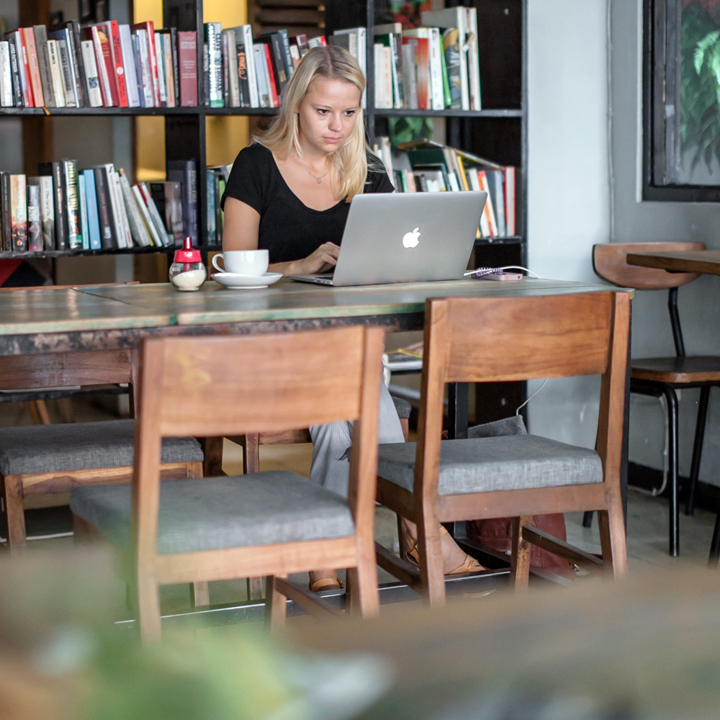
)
(610, 263)
(225, 386)
(502, 339)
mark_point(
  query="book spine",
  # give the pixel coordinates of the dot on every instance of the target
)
(23, 69)
(473, 59)
(18, 210)
(61, 228)
(73, 204)
(175, 64)
(118, 226)
(107, 73)
(185, 172)
(105, 214)
(137, 229)
(47, 211)
(6, 88)
(187, 60)
(18, 100)
(40, 33)
(130, 70)
(33, 67)
(272, 83)
(94, 93)
(243, 75)
(286, 54)
(436, 74)
(278, 60)
(160, 59)
(117, 63)
(225, 69)
(509, 174)
(148, 29)
(91, 206)
(214, 57)
(302, 43)
(34, 224)
(93, 34)
(247, 41)
(68, 83)
(237, 90)
(122, 212)
(169, 71)
(73, 28)
(82, 201)
(210, 195)
(154, 213)
(147, 85)
(261, 75)
(56, 73)
(5, 212)
(149, 225)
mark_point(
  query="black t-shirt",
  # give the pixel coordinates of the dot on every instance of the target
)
(288, 229)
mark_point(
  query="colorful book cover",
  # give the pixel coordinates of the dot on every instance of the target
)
(82, 200)
(187, 60)
(34, 219)
(91, 207)
(18, 212)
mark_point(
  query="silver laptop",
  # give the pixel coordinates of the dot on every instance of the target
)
(405, 237)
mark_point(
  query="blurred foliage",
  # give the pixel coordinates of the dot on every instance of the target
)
(406, 129)
(700, 85)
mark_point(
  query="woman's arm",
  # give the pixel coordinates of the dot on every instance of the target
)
(240, 232)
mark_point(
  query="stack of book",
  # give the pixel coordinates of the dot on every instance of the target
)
(242, 71)
(433, 67)
(217, 178)
(103, 65)
(427, 166)
(63, 208)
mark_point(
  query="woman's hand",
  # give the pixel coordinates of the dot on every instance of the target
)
(322, 260)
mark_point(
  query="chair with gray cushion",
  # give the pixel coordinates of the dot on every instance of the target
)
(52, 459)
(263, 524)
(499, 340)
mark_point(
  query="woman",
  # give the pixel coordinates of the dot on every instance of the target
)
(290, 192)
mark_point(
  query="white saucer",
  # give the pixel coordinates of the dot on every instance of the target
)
(234, 281)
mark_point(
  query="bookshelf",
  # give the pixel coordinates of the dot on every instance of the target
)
(498, 131)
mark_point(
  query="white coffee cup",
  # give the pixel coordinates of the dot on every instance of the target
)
(243, 262)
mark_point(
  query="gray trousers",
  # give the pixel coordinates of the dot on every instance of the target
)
(331, 459)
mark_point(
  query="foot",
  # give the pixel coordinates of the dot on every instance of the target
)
(455, 560)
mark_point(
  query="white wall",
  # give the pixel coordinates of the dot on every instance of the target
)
(637, 221)
(568, 188)
(584, 191)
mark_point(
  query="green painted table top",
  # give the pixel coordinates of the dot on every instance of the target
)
(117, 307)
(288, 300)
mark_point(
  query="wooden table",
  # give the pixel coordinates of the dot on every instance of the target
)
(695, 261)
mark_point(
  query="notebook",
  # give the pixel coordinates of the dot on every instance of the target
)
(405, 237)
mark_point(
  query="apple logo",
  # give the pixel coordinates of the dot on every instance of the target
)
(410, 240)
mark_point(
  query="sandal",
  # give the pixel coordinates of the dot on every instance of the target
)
(410, 553)
(326, 583)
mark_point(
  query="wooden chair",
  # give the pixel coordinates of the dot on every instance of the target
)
(662, 376)
(53, 459)
(518, 476)
(272, 523)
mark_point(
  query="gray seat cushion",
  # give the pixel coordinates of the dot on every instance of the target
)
(513, 462)
(215, 513)
(81, 446)
(402, 407)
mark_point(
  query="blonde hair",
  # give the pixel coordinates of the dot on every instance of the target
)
(349, 161)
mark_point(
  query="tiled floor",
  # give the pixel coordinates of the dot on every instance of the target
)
(647, 520)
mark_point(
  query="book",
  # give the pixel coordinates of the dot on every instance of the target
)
(422, 64)
(6, 87)
(276, 65)
(58, 87)
(23, 79)
(94, 93)
(73, 28)
(361, 50)
(449, 19)
(130, 70)
(213, 44)
(33, 66)
(169, 66)
(106, 219)
(67, 68)
(496, 181)
(187, 62)
(34, 226)
(55, 171)
(211, 216)
(147, 38)
(40, 32)
(287, 55)
(509, 188)
(156, 237)
(138, 230)
(302, 44)
(72, 199)
(145, 76)
(47, 209)
(230, 62)
(261, 75)
(473, 59)
(117, 67)
(82, 201)
(18, 99)
(91, 200)
(249, 76)
(122, 224)
(409, 76)
(436, 100)
(318, 41)
(160, 58)
(5, 212)
(489, 210)
(185, 172)
(168, 200)
(164, 238)
(18, 212)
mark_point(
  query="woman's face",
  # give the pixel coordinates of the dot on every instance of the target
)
(328, 113)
